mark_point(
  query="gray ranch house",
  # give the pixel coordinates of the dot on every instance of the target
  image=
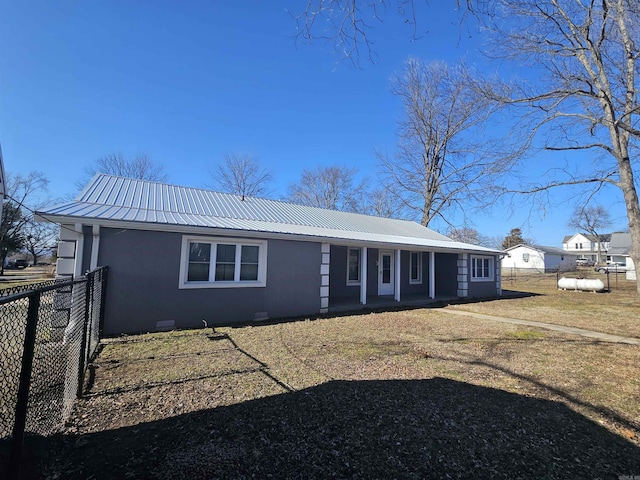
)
(179, 256)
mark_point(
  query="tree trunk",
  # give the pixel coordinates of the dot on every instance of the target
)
(633, 214)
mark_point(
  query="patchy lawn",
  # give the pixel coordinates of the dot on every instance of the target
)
(615, 312)
(407, 394)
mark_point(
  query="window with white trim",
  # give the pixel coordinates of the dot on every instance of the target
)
(415, 267)
(353, 266)
(525, 257)
(482, 269)
(208, 262)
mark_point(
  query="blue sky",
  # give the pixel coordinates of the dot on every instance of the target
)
(188, 82)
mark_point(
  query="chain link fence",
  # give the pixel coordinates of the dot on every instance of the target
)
(5, 292)
(47, 338)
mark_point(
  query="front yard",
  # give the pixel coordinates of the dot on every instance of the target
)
(406, 394)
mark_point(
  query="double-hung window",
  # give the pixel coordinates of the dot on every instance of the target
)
(415, 267)
(482, 269)
(353, 266)
(222, 262)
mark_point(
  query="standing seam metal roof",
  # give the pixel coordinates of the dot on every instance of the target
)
(108, 197)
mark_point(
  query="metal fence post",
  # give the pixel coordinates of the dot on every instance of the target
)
(20, 421)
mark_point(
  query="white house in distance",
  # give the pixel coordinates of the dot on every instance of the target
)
(619, 252)
(586, 246)
(537, 259)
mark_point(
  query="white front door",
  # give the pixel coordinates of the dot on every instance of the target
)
(385, 272)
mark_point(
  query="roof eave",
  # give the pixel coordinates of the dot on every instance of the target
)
(191, 229)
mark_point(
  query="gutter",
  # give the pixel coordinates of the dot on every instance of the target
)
(440, 247)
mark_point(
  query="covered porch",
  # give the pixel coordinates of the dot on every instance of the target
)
(376, 276)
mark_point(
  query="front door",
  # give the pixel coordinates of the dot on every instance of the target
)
(385, 272)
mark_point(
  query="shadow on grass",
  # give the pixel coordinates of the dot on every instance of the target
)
(432, 428)
(363, 310)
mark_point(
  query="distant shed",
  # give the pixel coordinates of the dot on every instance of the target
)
(537, 259)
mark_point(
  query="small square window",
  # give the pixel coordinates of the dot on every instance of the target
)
(482, 269)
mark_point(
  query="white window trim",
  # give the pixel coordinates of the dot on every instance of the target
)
(214, 241)
(492, 267)
(359, 281)
(417, 281)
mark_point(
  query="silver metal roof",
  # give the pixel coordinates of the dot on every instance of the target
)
(543, 249)
(116, 199)
(620, 244)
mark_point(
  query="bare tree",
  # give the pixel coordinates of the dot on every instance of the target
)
(443, 155)
(140, 167)
(591, 220)
(16, 214)
(334, 187)
(587, 97)
(39, 238)
(466, 234)
(347, 24)
(381, 202)
(242, 175)
(582, 95)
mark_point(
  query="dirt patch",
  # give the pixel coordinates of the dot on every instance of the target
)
(413, 394)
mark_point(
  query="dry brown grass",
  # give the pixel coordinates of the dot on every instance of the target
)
(616, 312)
(406, 394)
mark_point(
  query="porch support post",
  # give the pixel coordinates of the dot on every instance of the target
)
(432, 275)
(95, 247)
(396, 280)
(77, 270)
(324, 277)
(363, 275)
(498, 270)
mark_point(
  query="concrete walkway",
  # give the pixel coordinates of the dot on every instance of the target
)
(604, 337)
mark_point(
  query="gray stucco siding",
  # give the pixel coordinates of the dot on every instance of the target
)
(372, 271)
(481, 289)
(413, 288)
(293, 278)
(338, 287)
(446, 274)
(143, 284)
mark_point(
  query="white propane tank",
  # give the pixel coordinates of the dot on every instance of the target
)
(584, 284)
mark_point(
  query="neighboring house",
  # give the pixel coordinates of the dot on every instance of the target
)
(619, 252)
(182, 256)
(537, 258)
(586, 246)
(619, 247)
